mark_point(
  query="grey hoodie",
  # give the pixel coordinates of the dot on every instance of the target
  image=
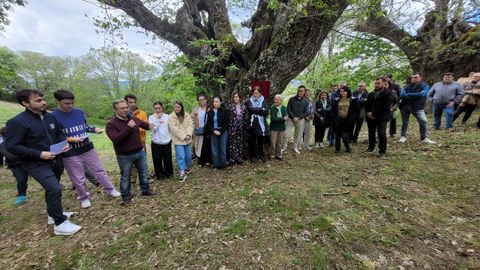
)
(442, 93)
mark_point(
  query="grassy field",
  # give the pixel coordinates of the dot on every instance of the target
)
(418, 209)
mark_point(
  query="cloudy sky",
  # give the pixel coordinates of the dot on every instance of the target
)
(62, 27)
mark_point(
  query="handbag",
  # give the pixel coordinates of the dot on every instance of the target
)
(199, 131)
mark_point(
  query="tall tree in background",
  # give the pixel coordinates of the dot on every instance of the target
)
(286, 35)
(5, 7)
(444, 42)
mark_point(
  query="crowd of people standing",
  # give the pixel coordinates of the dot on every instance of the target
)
(217, 133)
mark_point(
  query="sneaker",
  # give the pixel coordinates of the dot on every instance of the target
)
(50, 220)
(115, 193)
(307, 148)
(126, 200)
(86, 203)
(369, 150)
(402, 139)
(279, 158)
(317, 145)
(147, 192)
(296, 151)
(20, 199)
(428, 141)
(321, 145)
(182, 177)
(383, 155)
(66, 228)
(188, 171)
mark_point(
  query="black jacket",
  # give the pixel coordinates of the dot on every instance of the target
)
(222, 119)
(361, 100)
(28, 135)
(253, 124)
(325, 112)
(380, 104)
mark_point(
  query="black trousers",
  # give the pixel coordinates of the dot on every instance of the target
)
(393, 126)
(468, 109)
(162, 160)
(255, 146)
(46, 175)
(342, 133)
(320, 132)
(380, 129)
(357, 127)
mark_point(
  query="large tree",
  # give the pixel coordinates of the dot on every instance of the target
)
(444, 42)
(286, 35)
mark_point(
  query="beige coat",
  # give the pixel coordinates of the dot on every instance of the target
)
(179, 130)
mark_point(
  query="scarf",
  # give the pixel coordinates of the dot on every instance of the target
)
(257, 103)
(279, 111)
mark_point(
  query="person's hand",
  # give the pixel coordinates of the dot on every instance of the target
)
(98, 130)
(285, 118)
(47, 155)
(451, 104)
(216, 132)
(151, 125)
(131, 123)
(322, 119)
(187, 137)
(370, 115)
(319, 109)
(295, 119)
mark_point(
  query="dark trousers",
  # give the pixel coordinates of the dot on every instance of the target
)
(162, 160)
(21, 177)
(393, 126)
(342, 133)
(320, 132)
(331, 134)
(46, 176)
(219, 150)
(380, 129)
(358, 127)
(255, 146)
(468, 109)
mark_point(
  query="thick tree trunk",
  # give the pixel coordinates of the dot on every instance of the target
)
(439, 46)
(284, 40)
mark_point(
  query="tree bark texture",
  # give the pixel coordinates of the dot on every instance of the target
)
(439, 46)
(284, 39)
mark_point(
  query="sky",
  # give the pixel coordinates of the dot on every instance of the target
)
(63, 28)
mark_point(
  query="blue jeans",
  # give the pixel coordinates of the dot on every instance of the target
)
(421, 119)
(125, 163)
(219, 150)
(183, 155)
(438, 109)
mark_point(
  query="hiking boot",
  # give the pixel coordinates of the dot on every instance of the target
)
(66, 228)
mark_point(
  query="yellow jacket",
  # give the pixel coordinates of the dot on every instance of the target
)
(179, 130)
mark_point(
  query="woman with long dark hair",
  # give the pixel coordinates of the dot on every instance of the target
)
(216, 127)
(343, 111)
(180, 125)
(238, 117)
(257, 124)
(322, 117)
(201, 140)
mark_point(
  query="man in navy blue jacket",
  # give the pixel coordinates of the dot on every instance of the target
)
(29, 136)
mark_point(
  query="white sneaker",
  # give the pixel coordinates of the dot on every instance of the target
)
(115, 193)
(428, 141)
(86, 203)
(66, 228)
(307, 148)
(317, 145)
(402, 139)
(321, 145)
(296, 151)
(50, 220)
